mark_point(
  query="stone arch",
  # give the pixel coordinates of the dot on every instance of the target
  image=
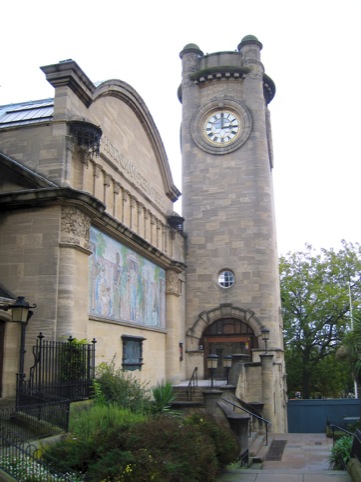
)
(225, 310)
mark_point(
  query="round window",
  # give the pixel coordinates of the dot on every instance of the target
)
(226, 279)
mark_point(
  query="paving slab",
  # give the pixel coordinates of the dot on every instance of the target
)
(304, 459)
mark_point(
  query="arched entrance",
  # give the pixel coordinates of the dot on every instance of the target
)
(227, 336)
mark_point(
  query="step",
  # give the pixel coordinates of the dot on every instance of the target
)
(180, 394)
(258, 448)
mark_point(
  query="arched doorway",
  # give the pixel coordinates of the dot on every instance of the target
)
(227, 336)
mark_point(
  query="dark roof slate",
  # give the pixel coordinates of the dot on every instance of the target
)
(24, 113)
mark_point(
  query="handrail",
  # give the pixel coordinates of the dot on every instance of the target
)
(267, 422)
(193, 382)
(341, 429)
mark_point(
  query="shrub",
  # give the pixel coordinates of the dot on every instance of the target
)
(73, 364)
(113, 385)
(163, 397)
(159, 449)
(341, 452)
(181, 452)
(90, 420)
(218, 430)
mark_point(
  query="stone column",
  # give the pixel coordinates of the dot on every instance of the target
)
(211, 399)
(174, 329)
(238, 359)
(72, 303)
(267, 386)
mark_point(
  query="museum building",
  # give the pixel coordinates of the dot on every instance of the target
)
(88, 231)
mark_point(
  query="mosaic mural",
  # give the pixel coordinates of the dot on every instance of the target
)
(123, 285)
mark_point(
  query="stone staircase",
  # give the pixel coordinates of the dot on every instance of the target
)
(258, 449)
(182, 401)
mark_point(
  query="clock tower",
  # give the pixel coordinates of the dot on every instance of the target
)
(232, 282)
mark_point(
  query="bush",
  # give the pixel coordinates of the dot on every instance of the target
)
(218, 429)
(158, 449)
(341, 453)
(90, 420)
(113, 385)
(163, 397)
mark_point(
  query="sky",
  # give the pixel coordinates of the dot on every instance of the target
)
(311, 50)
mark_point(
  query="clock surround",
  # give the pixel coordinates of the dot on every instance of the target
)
(221, 127)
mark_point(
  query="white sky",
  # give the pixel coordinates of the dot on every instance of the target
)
(311, 49)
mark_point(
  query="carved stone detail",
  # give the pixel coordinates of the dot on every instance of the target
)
(173, 283)
(116, 187)
(107, 179)
(75, 227)
(97, 170)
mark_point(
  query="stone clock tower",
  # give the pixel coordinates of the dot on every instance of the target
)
(232, 282)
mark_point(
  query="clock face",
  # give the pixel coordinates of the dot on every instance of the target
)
(222, 127)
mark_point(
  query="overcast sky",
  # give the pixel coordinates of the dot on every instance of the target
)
(311, 49)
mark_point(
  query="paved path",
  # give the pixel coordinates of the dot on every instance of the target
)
(305, 459)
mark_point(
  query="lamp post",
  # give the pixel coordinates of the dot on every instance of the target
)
(265, 337)
(227, 363)
(20, 313)
(212, 364)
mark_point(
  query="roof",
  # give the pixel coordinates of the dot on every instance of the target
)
(25, 113)
(5, 294)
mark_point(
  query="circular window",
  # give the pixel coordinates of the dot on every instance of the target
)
(226, 279)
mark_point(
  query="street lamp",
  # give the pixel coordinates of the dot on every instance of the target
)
(227, 363)
(20, 313)
(212, 364)
(265, 337)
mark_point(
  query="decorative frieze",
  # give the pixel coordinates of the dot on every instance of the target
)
(129, 167)
(75, 226)
(173, 286)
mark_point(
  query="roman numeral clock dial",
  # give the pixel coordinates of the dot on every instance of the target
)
(222, 127)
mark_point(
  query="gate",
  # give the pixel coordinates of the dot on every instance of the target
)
(61, 370)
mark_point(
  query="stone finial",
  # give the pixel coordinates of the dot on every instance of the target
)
(191, 48)
(249, 39)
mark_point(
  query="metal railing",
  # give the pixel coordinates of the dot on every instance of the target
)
(39, 420)
(21, 460)
(356, 445)
(192, 384)
(252, 413)
(336, 428)
(60, 369)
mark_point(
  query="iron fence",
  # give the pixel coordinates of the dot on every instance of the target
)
(62, 370)
(22, 460)
(33, 421)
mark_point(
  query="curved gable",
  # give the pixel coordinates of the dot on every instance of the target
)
(130, 136)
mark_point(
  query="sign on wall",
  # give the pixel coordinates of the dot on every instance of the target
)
(124, 286)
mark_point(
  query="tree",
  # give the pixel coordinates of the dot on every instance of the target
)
(350, 350)
(316, 310)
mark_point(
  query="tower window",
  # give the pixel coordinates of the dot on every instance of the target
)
(226, 279)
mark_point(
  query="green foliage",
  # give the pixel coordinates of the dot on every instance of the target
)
(350, 351)
(159, 449)
(163, 397)
(118, 438)
(72, 361)
(113, 385)
(316, 304)
(225, 441)
(341, 452)
(90, 420)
